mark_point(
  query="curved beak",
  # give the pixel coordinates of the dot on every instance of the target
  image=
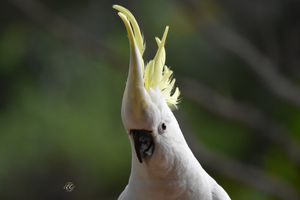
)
(143, 143)
(137, 111)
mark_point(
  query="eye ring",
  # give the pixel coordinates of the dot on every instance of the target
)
(162, 128)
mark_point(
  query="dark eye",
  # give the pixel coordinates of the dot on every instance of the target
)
(163, 126)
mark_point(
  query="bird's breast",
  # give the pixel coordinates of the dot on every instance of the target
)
(163, 189)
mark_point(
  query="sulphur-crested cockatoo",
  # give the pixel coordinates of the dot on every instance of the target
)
(163, 166)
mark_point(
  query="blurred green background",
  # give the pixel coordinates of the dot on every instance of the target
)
(63, 67)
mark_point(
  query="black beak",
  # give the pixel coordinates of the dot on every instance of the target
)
(143, 143)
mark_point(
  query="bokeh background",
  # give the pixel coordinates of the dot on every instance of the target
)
(63, 67)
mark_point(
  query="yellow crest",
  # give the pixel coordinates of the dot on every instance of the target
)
(156, 73)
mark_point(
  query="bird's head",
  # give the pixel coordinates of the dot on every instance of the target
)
(148, 97)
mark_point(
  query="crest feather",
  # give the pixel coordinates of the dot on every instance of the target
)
(158, 74)
(155, 73)
(139, 39)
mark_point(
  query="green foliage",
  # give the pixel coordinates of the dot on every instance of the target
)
(228, 137)
(74, 122)
(12, 47)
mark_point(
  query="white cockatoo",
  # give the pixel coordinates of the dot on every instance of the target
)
(163, 166)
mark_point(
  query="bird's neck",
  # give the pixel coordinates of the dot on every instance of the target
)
(170, 178)
(164, 165)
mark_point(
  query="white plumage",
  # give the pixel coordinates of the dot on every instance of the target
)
(163, 166)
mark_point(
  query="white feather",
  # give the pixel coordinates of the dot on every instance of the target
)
(172, 172)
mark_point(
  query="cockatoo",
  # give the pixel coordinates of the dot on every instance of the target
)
(163, 166)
